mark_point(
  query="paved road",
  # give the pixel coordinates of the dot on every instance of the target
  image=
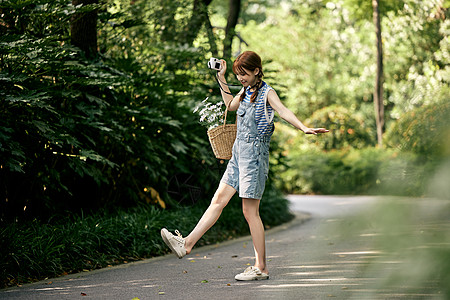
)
(306, 261)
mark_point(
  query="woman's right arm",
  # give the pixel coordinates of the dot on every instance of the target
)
(227, 98)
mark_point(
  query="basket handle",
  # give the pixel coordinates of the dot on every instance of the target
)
(225, 115)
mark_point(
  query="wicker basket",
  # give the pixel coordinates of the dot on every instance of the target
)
(222, 139)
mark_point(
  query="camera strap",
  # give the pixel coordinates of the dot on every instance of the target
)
(220, 86)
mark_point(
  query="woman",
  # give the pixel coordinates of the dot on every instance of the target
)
(249, 165)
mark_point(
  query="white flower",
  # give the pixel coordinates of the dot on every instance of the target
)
(211, 114)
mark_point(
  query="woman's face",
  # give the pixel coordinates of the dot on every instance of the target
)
(248, 78)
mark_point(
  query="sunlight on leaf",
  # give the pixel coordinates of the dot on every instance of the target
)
(156, 198)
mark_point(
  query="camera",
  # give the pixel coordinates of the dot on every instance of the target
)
(214, 64)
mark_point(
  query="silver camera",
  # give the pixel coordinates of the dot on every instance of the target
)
(214, 64)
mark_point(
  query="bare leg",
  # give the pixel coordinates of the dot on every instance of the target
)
(219, 201)
(250, 208)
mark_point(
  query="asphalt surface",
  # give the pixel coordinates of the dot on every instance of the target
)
(306, 260)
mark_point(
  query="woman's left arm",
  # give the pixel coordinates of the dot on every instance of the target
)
(289, 116)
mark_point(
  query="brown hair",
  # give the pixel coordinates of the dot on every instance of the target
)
(251, 61)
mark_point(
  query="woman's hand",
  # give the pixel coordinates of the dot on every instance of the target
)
(223, 68)
(315, 130)
(289, 116)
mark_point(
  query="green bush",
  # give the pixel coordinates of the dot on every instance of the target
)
(404, 174)
(351, 171)
(336, 172)
(424, 131)
(347, 128)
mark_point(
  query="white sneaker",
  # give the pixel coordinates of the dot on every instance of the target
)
(251, 273)
(175, 243)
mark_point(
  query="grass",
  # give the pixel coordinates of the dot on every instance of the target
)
(35, 250)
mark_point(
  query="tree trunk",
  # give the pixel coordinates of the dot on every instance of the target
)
(198, 18)
(378, 93)
(211, 37)
(83, 29)
(233, 15)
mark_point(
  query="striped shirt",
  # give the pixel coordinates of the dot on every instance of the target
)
(262, 124)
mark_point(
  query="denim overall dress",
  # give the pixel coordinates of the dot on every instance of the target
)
(248, 168)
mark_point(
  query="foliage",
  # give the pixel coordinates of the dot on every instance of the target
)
(347, 128)
(329, 57)
(352, 171)
(325, 64)
(362, 10)
(424, 131)
(319, 57)
(336, 172)
(93, 132)
(416, 51)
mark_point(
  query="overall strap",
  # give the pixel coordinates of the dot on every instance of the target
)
(264, 93)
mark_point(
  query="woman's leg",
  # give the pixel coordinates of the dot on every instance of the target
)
(219, 201)
(250, 208)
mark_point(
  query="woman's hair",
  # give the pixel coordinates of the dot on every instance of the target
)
(249, 60)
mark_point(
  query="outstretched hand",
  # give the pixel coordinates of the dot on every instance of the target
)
(315, 130)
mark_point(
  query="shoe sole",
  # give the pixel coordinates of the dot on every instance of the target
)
(254, 278)
(166, 240)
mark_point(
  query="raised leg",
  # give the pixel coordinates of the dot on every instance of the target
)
(219, 201)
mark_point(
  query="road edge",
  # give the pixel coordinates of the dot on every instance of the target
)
(299, 218)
